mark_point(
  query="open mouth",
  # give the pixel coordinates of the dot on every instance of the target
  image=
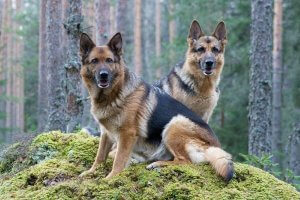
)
(208, 73)
(103, 84)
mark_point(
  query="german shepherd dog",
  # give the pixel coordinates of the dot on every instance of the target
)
(141, 118)
(195, 82)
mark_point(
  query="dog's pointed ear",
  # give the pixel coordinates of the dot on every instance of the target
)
(220, 31)
(115, 44)
(195, 31)
(86, 45)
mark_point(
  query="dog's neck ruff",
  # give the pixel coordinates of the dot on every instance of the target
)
(185, 78)
(110, 106)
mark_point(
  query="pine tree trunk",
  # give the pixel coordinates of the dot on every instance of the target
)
(277, 81)
(172, 30)
(73, 79)
(293, 150)
(260, 78)
(121, 16)
(13, 112)
(148, 49)
(9, 73)
(1, 13)
(125, 25)
(3, 67)
(112, 19)
(42, 87)
(102, 13)
(157, 36)
(138, 38)
(18, 77)
(56, 72)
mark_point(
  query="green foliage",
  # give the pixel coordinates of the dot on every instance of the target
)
(265, 162)
(42, 152)
(57, 177)
(13, 159)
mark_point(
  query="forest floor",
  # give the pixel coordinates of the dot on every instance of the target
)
(49, 166)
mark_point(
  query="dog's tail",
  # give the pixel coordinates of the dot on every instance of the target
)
(221, 162)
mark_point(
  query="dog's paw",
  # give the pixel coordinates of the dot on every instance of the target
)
(110, 175)
(86, 173)
(153, 166)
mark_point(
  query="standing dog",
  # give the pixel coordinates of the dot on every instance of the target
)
(195, 82)
(142, 119)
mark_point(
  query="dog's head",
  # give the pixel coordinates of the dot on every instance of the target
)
(206, 52)
(101, 64)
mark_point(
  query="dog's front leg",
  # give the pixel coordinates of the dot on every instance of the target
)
(125, 146)
(105, 145)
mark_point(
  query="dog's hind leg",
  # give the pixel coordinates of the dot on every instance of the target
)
(185, 140)
(175, 137)
(177, 149)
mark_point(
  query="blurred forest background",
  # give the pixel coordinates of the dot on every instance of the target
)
(40, 88)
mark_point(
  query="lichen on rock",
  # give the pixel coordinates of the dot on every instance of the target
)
(56, 159)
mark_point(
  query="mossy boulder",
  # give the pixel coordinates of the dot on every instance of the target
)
(54, 160)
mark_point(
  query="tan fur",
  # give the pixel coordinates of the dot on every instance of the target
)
(219, 159)
(123, 111)
(206, 96)
(187, 142)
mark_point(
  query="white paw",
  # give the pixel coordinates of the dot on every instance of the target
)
(152, 166)
(86, 173)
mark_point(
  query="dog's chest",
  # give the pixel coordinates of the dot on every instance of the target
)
(110, 117)
(200, 104)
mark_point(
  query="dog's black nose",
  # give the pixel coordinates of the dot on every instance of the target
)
(103, 75)
(209, 63)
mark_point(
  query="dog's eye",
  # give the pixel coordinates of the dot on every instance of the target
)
(215, 50)
(201, 49)
(109, 60)
(94, 61)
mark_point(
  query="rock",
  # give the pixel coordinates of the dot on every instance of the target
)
(54, 175)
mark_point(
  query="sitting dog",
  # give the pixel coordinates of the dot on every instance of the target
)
(195, 82)
(143, 119)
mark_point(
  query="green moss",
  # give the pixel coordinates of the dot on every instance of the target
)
(55, 176)
(13, 158)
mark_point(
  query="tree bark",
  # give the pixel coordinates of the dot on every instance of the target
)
(157, 36)
(112, 19)
(102, 10)
(138, 38)
(42, 86)
(56, 71)
(18, 77)
(1, 12)
(172, 29)
(3, 40)
(121, 16)
(73, 79)
(293, 150)
(148, 49)
(277, 81)
(9, 72)
(260, 78)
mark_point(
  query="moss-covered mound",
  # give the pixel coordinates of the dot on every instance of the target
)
(54, 160)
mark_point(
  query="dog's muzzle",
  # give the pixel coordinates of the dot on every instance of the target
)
(207, 66)
(103, 79)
